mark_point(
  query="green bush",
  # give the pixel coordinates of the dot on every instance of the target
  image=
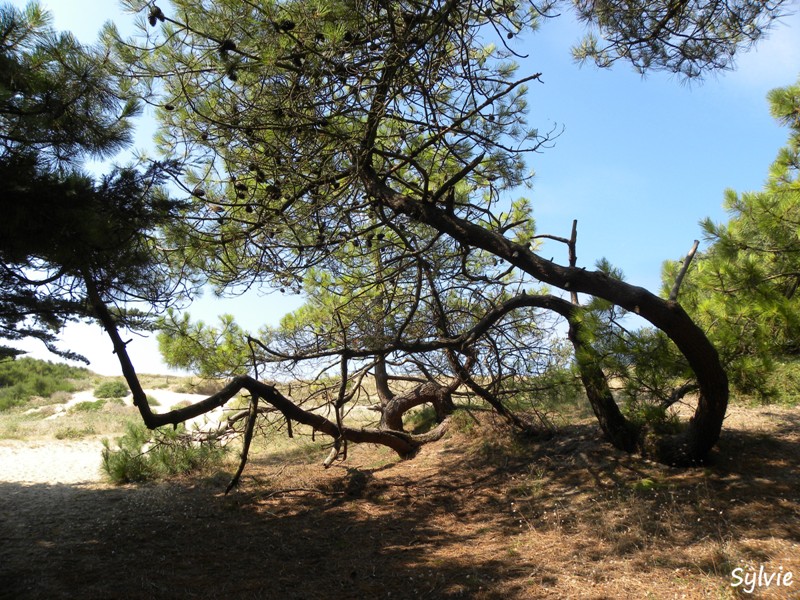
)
(24, 378)
(113, 388)
(74, 433)
(88, 406)
(422, 419)
(142, 455)
(785, 383)
(463, 421)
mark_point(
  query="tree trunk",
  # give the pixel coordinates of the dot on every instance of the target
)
(702, 432)
(438, 395)
(385, 394)
(619, 431)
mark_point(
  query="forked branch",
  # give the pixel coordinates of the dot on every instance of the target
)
(403, 443)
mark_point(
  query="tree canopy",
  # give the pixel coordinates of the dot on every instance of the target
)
(59, 105)
(365, 153)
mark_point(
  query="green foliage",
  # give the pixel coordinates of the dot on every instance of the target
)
(113, 388)
(656, 418)
(61, 104)
(57, 97)
(23, 378)
(556, 389)
(330, 145)
(127, 463)
(780, 384)
(74, 433)
(646, 485)
(643, 362)
(290, 209)
(89, 406)
(787, 381)
(463, 421)
(205, 350)
(688, 38)
(643, 365)
(422, 419)
(743, 288)
(142, 455)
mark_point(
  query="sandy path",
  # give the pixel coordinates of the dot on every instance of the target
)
(50, 462)
(71, 462)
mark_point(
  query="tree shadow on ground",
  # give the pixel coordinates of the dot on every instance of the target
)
(483, 514)
(740, 509)
(189, 541)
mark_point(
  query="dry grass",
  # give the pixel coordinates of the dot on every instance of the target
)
(20, 424)
(30, 421)
(481, 514)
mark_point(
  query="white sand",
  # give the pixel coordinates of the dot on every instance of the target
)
(71, 462)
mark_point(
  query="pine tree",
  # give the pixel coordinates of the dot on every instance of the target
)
(310, 127)
(743, 289)
(59, 105)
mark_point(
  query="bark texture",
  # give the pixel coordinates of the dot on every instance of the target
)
(438, 395)
(703, 430)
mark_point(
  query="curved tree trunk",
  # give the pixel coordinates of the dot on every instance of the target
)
(703, 429)
(613, 423)
(385, 394)
(440, 396)
(404, 444)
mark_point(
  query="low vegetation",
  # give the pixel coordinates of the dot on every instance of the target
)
(113, 388)
(80, 421)
(33, 395)
(26, 378)
(143, 455)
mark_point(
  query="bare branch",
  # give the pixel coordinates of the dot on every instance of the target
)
(673, 295)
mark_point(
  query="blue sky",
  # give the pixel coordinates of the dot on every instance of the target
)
(639, 163)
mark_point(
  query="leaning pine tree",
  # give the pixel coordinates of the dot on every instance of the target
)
(312, 128)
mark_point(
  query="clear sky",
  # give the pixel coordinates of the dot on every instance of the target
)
(640, 161)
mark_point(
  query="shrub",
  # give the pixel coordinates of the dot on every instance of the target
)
(652, 416)
(204, 387)
(46, 411)
(142, 455)
(24, 378)
(88, 406)
(422, 419)
(113, 388)
(60, 397)
(463, 421)
(74, 433)
(128, 463)
(786, 382)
